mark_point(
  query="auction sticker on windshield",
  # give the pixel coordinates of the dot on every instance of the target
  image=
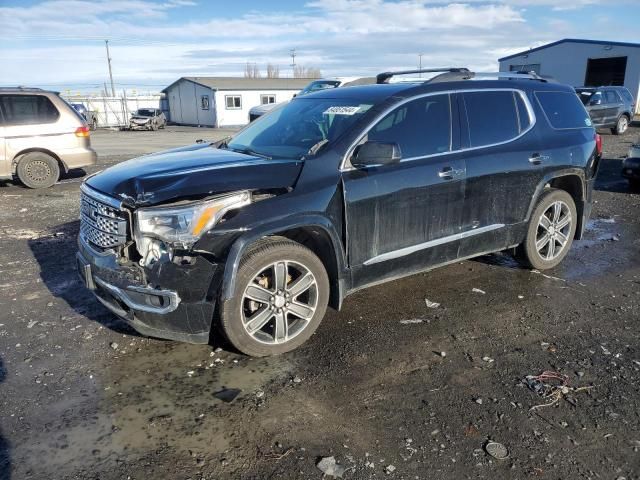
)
(341, 110)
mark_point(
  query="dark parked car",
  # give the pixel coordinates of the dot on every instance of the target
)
(333, 192)
(608, 107)
(631, 166)
(148, 119)
(89, 116)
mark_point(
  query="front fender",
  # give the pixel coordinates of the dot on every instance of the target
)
(242, 243)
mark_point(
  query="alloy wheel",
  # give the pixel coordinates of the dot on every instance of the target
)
(623, 124)
(279, 302)
(554, 228)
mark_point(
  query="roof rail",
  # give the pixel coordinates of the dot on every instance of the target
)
(450, 77)
(385, 76)
(25, 89)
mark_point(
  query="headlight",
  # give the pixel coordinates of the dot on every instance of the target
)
(182, 226)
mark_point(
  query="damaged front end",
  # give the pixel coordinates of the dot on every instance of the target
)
(140, 264)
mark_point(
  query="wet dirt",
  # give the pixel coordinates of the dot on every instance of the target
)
(84, 397)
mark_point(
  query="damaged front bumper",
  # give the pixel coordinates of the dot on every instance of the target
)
(180, 308)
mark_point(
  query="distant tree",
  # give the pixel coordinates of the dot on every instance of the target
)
(273, 71)
(300, 71)
(251, 70)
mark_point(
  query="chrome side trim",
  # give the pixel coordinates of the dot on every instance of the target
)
(174, 299)
(532, 117)
(431, 243)
(112, 202)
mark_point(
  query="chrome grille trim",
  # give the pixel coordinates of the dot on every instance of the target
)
(102, 221)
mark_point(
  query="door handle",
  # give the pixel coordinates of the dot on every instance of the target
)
(448, 173)
(537, 159)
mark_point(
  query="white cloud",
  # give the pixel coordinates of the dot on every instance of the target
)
(59, 41)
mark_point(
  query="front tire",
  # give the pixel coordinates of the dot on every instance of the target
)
(621, 126)
(281, 295)
(551, 230)
(38, 170)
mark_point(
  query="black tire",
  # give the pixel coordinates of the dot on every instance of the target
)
(233, 313)
(38, 170)
(154, 126)
(622, 125)
(528, 252)
(634, 185)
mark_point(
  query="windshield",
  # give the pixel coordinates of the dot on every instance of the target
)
(319, 85)
(292, 131)
(145, 112)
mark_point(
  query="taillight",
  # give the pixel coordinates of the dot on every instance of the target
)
(598, 144)
(82, 131)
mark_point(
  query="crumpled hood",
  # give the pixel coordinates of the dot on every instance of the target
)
(190, 172)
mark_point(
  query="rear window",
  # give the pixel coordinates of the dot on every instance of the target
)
(27, 109)
(563, 110)
(492, 117)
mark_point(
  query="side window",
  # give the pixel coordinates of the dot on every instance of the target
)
(612, 97)
(491, 116)
(563, 110)
(421, 127)
(524, 119)
(626, 95)
(28, 109)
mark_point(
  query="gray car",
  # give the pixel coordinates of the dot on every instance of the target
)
(608, 107)
(40, 136)
(148, 119)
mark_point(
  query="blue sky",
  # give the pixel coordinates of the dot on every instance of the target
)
(60, 43)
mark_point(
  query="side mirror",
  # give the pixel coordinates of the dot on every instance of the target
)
(373, 154)
(596, 101)
(294, 95)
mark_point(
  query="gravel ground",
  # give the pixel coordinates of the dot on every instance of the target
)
(390, 387)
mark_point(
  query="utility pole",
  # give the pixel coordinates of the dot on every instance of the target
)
(420, 63)
(113, 90)
(292, 53)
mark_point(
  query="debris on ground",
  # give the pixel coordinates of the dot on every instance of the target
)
(296, 379)
(411, 321)
(552, 386)
(390, 469)
(496, 450)
(227, 395)
(113, 345)
(477, 290)
(487, 359)
(329, 466)
(431, 304)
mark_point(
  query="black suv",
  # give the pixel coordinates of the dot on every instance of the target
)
(608, 107)
(336, 191)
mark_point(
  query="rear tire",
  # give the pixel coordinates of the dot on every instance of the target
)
(38, 170)
(281, 294)
(621, 126)
(551, 230)
(634, 185)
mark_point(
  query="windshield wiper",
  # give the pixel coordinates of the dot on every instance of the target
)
(315, 148)
(249, 151)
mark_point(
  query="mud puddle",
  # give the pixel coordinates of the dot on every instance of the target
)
(151, 396)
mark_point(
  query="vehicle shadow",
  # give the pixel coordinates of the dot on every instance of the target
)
(5, 457)
(55, 254)
(610, 178)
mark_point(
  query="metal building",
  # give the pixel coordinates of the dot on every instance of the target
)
(225, 101)
(582, 63)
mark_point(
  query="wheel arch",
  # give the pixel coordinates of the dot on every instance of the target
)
(316, 233)
(574, 183)
(18, 156)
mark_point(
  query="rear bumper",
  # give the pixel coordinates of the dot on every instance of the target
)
(181, 310)
(78, 157)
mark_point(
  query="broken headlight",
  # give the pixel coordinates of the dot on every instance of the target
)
(181, 226)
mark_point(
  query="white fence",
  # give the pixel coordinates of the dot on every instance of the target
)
(116, 111)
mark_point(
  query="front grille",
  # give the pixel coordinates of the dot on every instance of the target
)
(101, 225)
